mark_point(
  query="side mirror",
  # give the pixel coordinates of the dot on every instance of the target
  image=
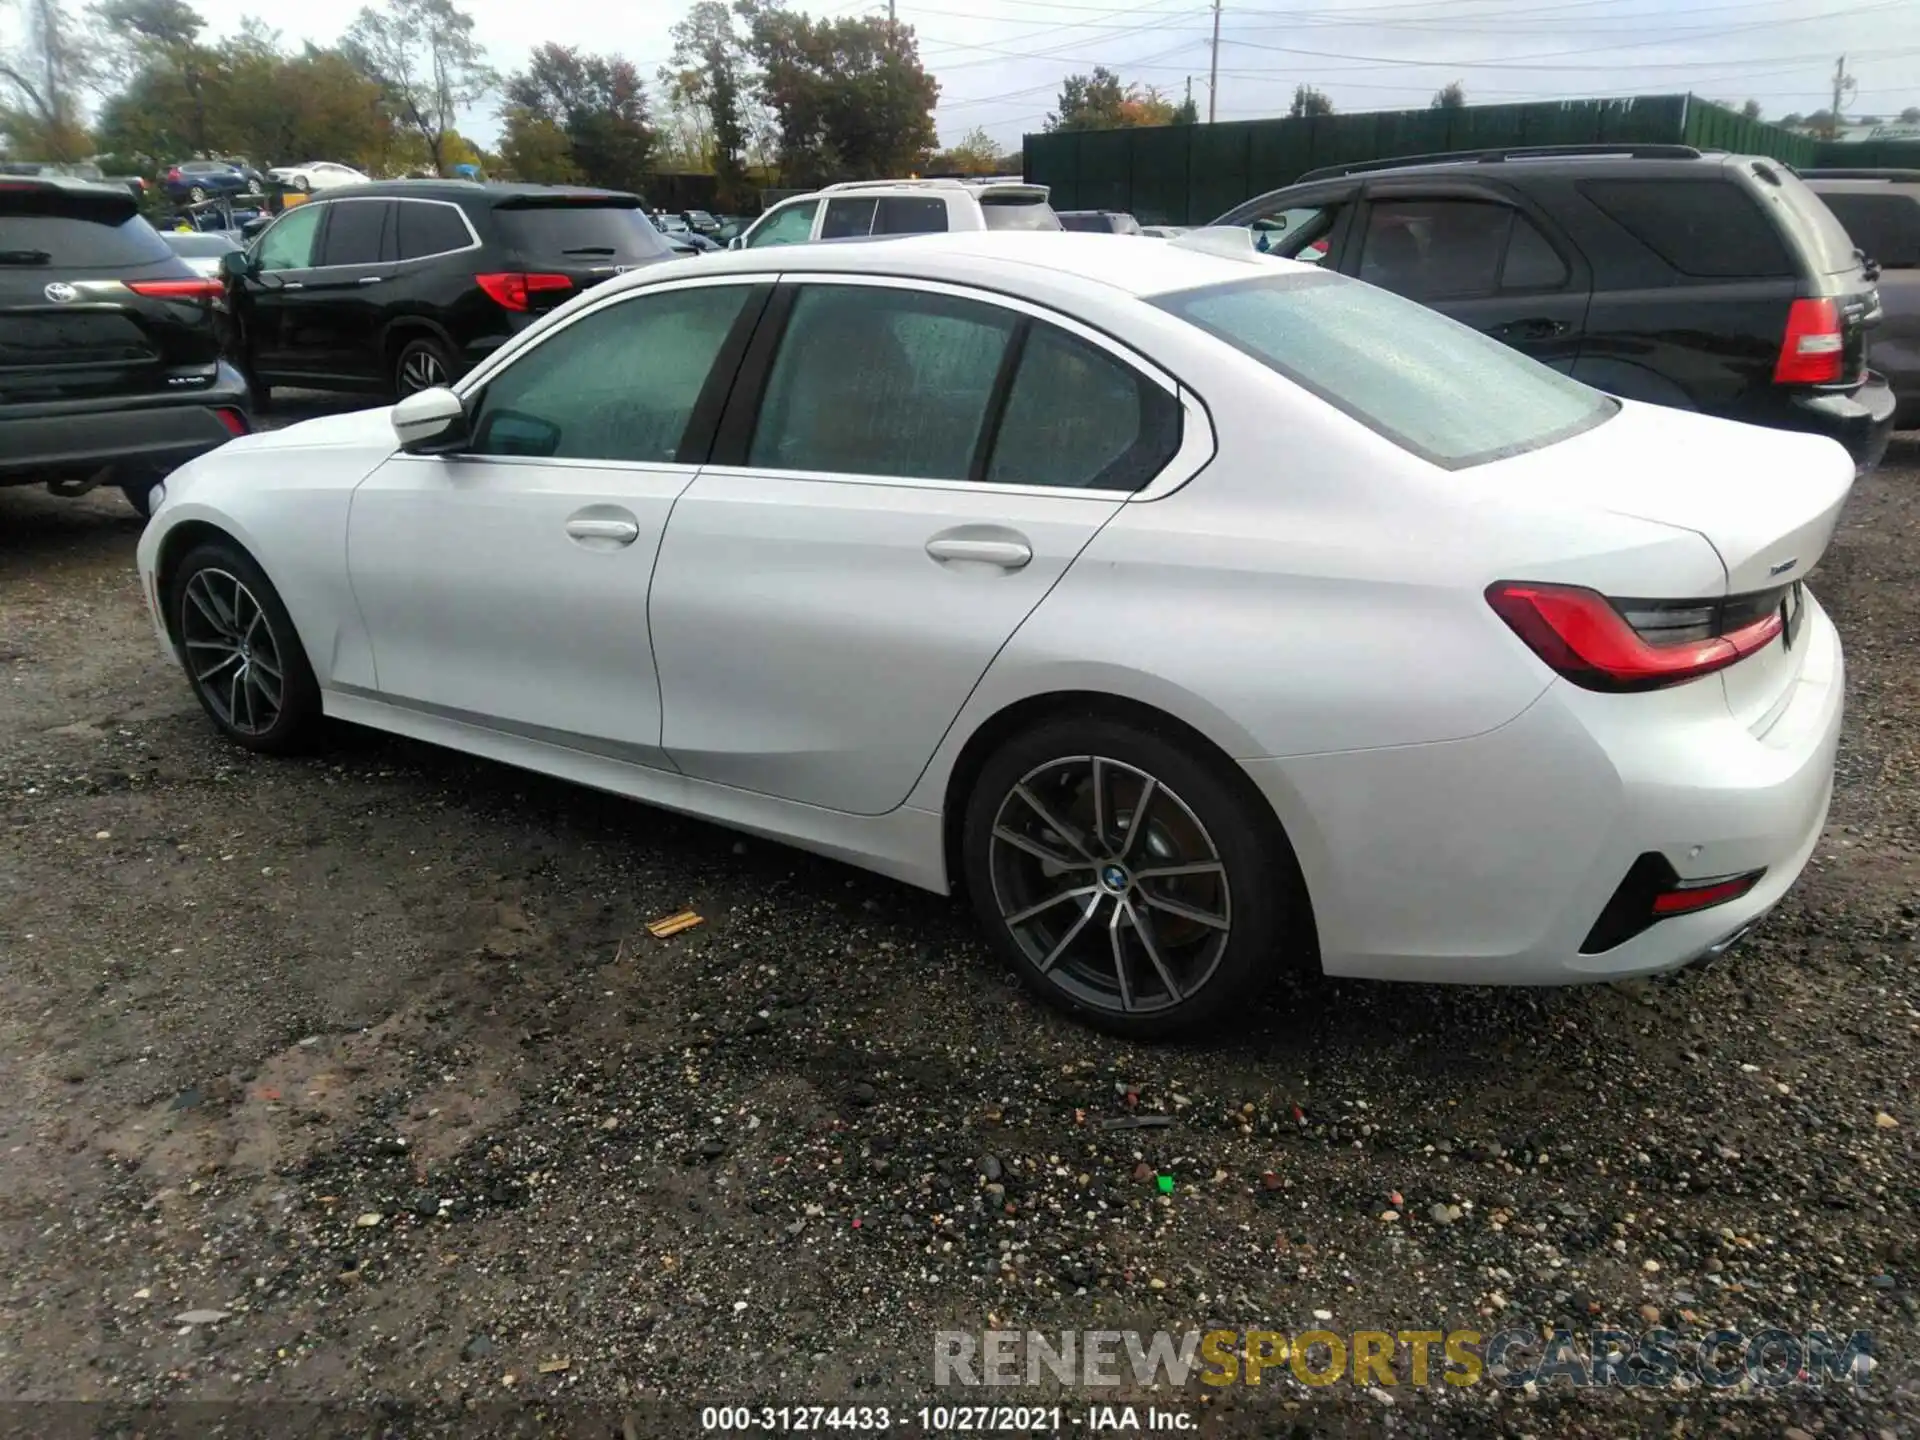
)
(737, 243)
(430, 422)
(236, 265)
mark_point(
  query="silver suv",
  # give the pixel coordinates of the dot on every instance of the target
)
(902, 207)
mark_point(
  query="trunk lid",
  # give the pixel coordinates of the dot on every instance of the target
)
(1767, 501)
(70, 326)
(586, 236)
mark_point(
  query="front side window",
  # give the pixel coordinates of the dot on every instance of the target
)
(877, 381)
(1079, 418)
(288, 243)
(619, 384)
(791, 226)
(1431, 385)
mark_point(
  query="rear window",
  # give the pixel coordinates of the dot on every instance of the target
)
(1432, 386)
(1018, 212)
(616, 232)
(1708, 229)
(1885, 224)
(199, 244)
(74, 234)
(1807, 218)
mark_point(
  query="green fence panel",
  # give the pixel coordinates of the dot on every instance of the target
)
(1341, 139)
(1866, 155)
(1105, 169)
(1160, 157)
(1279, 152)
(1051, 160)
(1412, 132)
(1220, 174)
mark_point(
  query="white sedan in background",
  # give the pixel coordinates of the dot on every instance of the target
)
(317, 175)
(1197, 613)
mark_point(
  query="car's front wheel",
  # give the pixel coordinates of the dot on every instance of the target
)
(195, 194)
(241, 651)
(1130, 877)
(421, 364)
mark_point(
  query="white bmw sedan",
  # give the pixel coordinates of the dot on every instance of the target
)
(1197, 613)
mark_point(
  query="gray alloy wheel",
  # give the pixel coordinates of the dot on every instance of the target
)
(421, 366)
(233, 656)
(1110, 885)
(195, 194)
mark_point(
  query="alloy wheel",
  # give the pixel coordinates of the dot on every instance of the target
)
(1110, 885)
(421, 370)
(232, 653)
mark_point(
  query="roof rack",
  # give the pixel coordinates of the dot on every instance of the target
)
(1510, 152)
(841, 185)
(1905, 177)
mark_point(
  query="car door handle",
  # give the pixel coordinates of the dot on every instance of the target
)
(1539, 328)
(620, 532)
(1007, 554)
(369, 280)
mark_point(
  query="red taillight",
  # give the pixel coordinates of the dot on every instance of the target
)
(201, 287)
(1583, 637)
(235, 422)
(1812, 353)
(1691, 895)
(514, 290)
(174, 173)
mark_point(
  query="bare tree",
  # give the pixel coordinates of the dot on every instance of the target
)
(41, 78)
(423, 55)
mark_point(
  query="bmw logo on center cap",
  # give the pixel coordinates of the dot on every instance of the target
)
(1114, 877)
(61, 293)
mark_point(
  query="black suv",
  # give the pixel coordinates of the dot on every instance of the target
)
(110, 369)
(1708, 281)
(396, 286)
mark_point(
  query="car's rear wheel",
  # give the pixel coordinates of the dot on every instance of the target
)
(241, 651)
(421, 364)
(196, 193)
(139, 494)
(1128, 876)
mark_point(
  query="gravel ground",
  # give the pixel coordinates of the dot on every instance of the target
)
(370, 1056)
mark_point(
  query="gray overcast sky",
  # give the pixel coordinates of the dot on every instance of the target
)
(1000, 62)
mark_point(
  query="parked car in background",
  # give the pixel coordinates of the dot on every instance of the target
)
(136, 185)
(894, 552)
(1164, 232)
(316, 175)
(1710, 282)
(1881, 211)
(901, 207)
(1099, 222)
(202, 249)
(192, 181)
(110, 368)
(700, 222)
(401, 285)
(250, 172)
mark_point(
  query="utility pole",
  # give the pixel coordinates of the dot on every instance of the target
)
(893, 33)
(1213, 67)
(1843, 86)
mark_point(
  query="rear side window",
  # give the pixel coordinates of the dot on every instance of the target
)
(430, 229)
(1448, 249)
(1432, 386)
(911, 215)
(1079, 418)
(1885, 225)
(1017, 212)
(1084, 221)
(1708, 229)
(74, 233)
(873, 381)
(580, 231)
(847, 217)
(619, 384)
(791, 226)
(354, 232)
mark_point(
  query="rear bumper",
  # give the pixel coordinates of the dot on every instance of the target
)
(1487, 861)
(145, 435)
(1861, 420)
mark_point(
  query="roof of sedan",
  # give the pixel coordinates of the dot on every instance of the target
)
(473, 189)
(1137, 265)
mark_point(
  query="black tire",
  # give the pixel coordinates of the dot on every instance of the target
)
(247, 693)
(139, 494)
(1198, 807)
(417, 362)
(195, 194)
